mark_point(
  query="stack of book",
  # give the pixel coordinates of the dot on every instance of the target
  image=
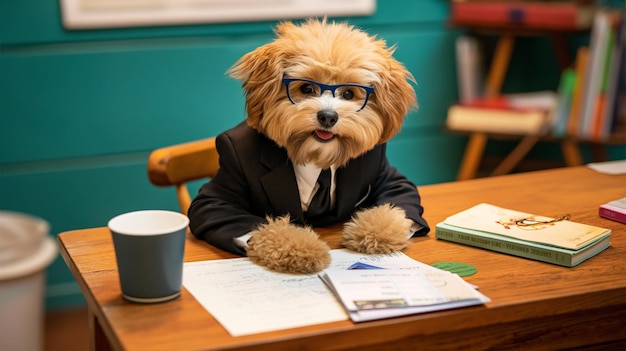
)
(553, 240)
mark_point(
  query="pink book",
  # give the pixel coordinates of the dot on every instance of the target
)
(613, 212)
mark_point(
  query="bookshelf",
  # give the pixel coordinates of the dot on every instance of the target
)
(506, 34)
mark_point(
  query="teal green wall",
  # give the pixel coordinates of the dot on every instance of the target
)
(81, 110)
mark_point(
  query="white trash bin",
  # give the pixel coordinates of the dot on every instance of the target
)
(26, 250)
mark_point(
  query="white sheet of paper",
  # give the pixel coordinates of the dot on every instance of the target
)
(247, 299)
(609, 167)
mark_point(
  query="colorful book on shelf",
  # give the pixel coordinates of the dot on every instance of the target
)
(607, 117)
(582, 59)
(517, 114)
(468, 65)
(597, 53)
(597, 119)
(530, 14)
(553, 240)
(614, 210)
(618, 123)
(565, 93)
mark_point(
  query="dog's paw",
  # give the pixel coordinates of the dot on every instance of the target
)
(284, 247)
(378, 230)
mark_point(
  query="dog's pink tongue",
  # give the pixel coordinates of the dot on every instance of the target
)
(323, 134)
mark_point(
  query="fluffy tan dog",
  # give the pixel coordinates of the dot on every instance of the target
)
(326, 95)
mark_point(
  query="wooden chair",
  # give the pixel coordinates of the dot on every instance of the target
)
(179, 164)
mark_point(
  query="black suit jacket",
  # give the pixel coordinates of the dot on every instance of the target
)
(256, 179)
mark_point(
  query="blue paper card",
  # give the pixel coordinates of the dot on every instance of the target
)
(361, 265)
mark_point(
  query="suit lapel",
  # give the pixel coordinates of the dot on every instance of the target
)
(348, 180)
(280, 183)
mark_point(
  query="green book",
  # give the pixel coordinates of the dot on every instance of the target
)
(566, 94)
(522, 248)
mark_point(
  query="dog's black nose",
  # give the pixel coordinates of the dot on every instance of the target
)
(327, 118)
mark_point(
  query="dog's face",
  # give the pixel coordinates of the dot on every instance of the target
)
(326, 92)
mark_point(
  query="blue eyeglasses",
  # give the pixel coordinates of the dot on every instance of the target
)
(299, 89)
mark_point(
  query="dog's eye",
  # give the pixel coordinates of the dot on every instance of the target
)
(307, 89)
(347, 94)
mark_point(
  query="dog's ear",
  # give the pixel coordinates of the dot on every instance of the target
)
(261, 72)
(394, 95)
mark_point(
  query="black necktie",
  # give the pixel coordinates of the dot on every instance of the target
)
(320, 203)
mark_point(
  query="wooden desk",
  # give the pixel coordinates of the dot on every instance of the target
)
(534, 305)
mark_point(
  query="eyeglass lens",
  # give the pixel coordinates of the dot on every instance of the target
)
(301, 90)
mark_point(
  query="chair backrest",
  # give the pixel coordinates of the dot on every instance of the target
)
(179, 164)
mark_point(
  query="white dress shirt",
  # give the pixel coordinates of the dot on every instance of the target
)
(306, 176)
